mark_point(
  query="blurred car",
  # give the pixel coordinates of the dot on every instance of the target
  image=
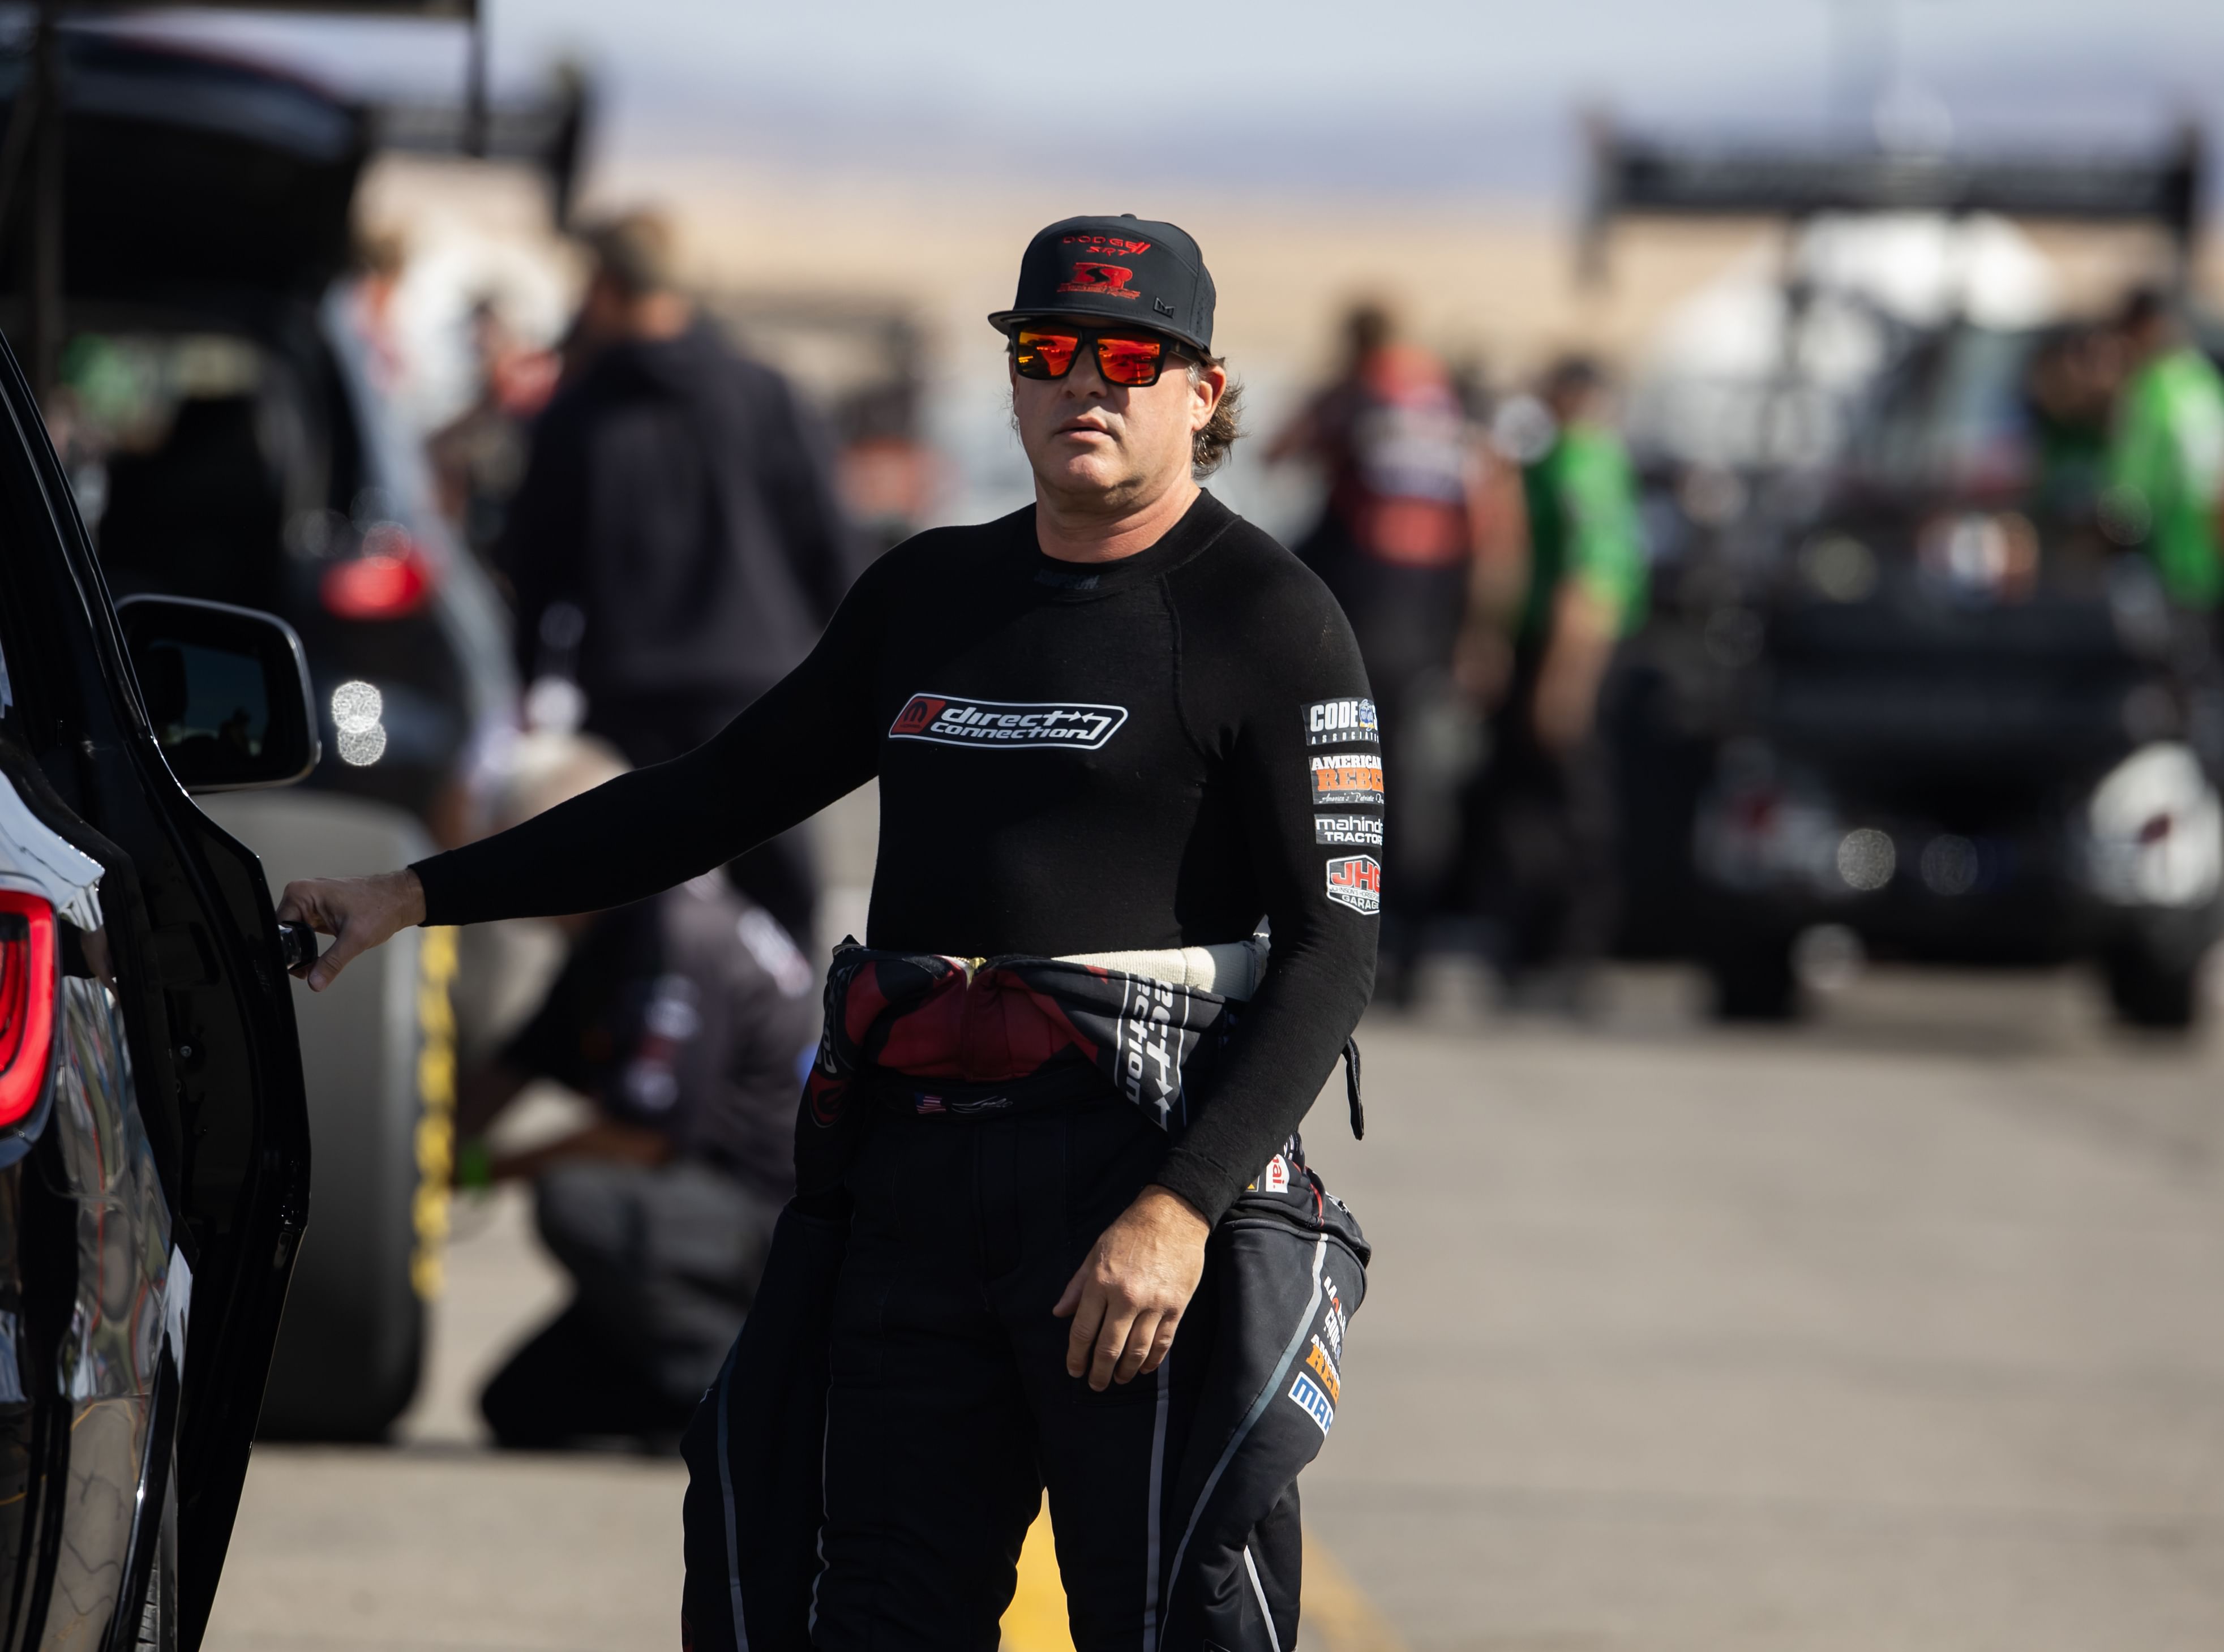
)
(1967, 728)
(219, 414)
(153, 1134)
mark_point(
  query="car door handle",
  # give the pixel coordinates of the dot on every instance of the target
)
(299, 943)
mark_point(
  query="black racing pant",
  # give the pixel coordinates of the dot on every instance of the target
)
(948, 1410)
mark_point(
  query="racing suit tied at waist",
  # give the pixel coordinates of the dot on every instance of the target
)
(990, 1035)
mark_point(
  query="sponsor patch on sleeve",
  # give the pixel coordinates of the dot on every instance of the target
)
(1342, 723)
(1342, 777)
(1314, 1403)
(1356, 880)
(1349, 831)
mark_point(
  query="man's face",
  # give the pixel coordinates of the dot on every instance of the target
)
(1105, 445)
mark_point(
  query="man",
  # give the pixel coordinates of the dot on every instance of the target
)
(1394, 542)
(1112, 723)
(2165, 464)
(1544, 805)
(675, 546)
(685, 1019)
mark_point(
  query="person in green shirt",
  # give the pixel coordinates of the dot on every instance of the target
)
(1542, 825)
(2166, 463)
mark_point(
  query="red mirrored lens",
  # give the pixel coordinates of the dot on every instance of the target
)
(1044, 355)
(1129, 361)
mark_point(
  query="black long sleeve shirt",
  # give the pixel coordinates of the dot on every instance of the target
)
(1152, 753)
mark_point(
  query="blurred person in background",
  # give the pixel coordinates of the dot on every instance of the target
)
(685, 1019)
(478, 457)
(2070, 389)
(2166, 463)
(676, 547)
(1393, 544)
(1542, 820)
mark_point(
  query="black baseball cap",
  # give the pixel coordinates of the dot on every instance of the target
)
(1115, 270)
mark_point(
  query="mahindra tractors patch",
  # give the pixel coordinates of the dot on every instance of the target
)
(1356, 880)
(1003, 725)
(1349, 831)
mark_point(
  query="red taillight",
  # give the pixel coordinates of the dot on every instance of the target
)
(392, 578)
(27, 1000)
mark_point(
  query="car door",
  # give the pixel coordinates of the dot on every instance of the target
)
(153, 1190)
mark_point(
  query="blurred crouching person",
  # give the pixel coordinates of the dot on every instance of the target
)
(676, 547)
(685, 1019)
(1394, 545)
(2166, 463)
(1542, 822)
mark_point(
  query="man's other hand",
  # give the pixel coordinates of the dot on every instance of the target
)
(1128, 1298)
(361, 912)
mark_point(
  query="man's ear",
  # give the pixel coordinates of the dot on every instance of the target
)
(1210, 385)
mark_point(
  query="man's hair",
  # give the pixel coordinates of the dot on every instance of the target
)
(1573, 373)
(1208, 448)
(2143, 306)
(634, 252)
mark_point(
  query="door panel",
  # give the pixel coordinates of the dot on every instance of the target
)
(214, 1068)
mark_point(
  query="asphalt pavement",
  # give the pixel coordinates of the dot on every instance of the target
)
(1897, 1330)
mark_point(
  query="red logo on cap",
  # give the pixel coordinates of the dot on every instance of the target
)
(1107, 280)
(1110, 244)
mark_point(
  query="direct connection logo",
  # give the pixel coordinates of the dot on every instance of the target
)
(1003, 725)
(1349, 831)
(1355, 881)
(1106, 281)
(1345, 778)
(1342, 723)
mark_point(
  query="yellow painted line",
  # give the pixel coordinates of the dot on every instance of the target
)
(1336, 1613)
(1035, 1621)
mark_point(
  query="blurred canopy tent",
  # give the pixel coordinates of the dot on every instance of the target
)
(256, 184)
(1633, 176)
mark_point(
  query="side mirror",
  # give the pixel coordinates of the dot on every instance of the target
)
(227, 690)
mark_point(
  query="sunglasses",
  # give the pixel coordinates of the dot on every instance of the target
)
(1128, 360)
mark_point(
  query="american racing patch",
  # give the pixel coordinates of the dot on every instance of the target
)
(1356, 880)
(1349, 831)
(1346, 777)
(1342, 723)
(1314, 1403)
(1003, 725)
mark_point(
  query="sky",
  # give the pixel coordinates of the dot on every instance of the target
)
(1410, 97)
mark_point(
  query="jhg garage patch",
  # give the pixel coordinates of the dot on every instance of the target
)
(1346, 777)
(1342, 723)
(1349, 831)
(1356, 880)
(1001, 725)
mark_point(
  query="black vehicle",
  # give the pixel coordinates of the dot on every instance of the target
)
(154, 1135)
(216, 404)
(1903, 697)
